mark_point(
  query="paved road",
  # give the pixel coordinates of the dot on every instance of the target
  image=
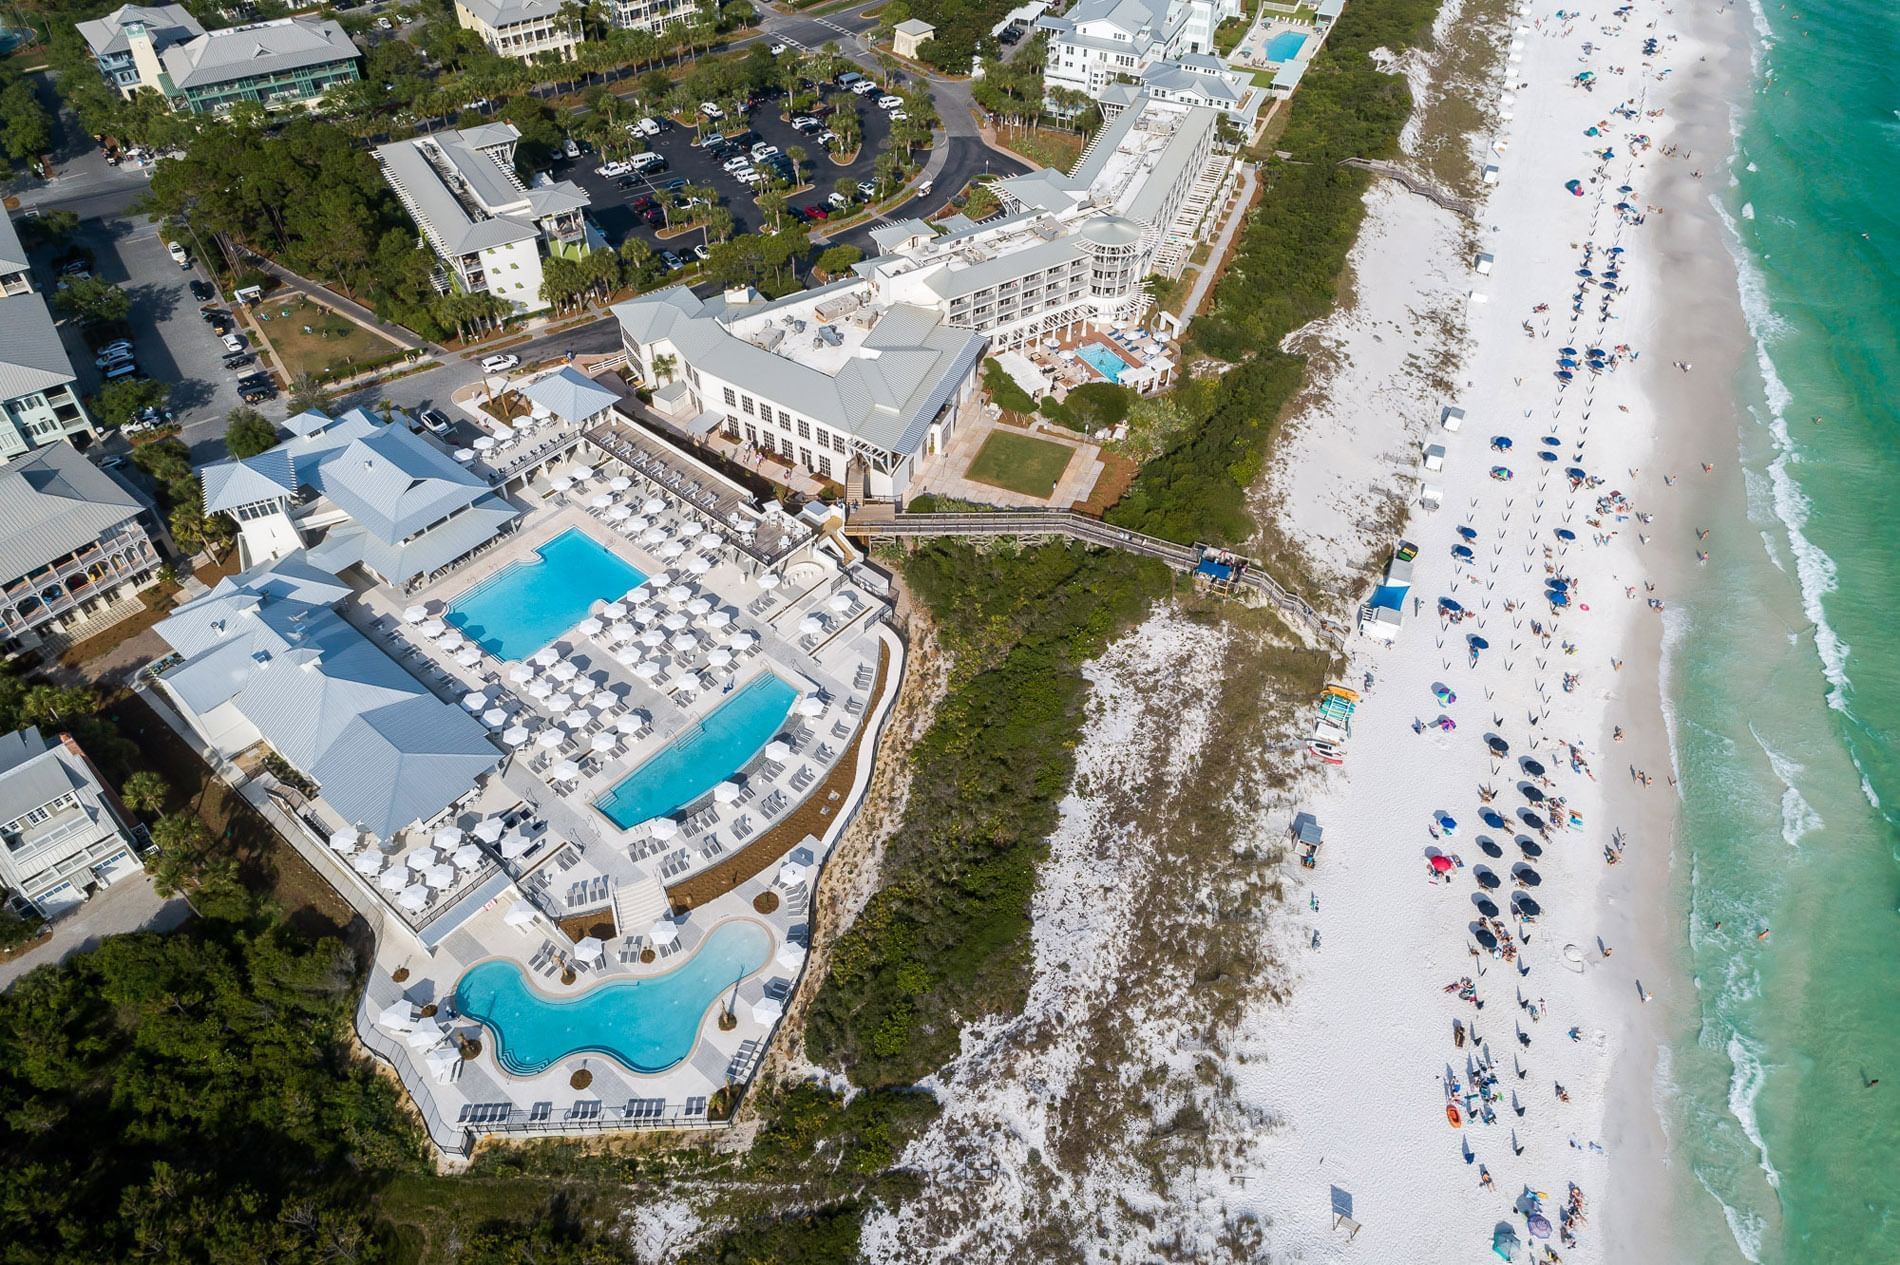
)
(128, 905)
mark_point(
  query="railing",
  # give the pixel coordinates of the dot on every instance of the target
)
(449, 1138)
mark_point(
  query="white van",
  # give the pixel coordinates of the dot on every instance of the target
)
(646, 162)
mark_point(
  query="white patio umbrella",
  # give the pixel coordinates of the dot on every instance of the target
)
(420, 860)
(540, 689)
(465, 454)
(653, 505)
(602, 699)
(564, 671)
(646, 670)
(446, 837)
(551, 737)
(768, 581)
(622, 631)
(413, 897)
(675, 622)
(791, 954)
(589, 627)
(683, 642)
(516, 845)
(719, 658)
(617, 514)
(741, 641)
(559, 704)
(644, 614)
(560, 483)
(488, 829)
(811, 705)
(601, 500)
(776, 750)
(439, 877)
(523, 425)
(467, 857)
(494, 718)
(519, 914)
(427, 1033)
(397, 1016)
(393, 879)
(718, 619)
(810, 626)
(699, 566)
(791, 874)
(369, 863)
(652, 638)
(670, 550)
(415, 614)
(520, 673)
(841, 601)
(588, 948)
(663, 932)
(582, 473)
(620, 483)
(678, 593)
(699, 606)
(635, 525)
(432, 628)
(515, 735)
(467, 657)
(475, 700)
(485, 443)
(659, 580)
(653, 535)
(630, 723)
(726, 792)
(546, 657)
(442, 1062)
(663, 827)
(710, 540)
(604, 742)
(452, 640)
(614, 610)
(627, 656)
(345, 838)
(565, 771)
(768, 1010)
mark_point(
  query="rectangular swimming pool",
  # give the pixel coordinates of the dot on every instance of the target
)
(1102, 360)
(1285, 46)
(525, 605)
(703, 756)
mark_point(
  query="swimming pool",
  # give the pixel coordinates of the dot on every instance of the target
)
(1285, 46)
(648, 1024)
(701, 757)
(525, 605)
(1102, 360)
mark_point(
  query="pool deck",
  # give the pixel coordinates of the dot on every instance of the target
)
(815, 628)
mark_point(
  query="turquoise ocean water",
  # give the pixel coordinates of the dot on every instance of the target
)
(1785, 681)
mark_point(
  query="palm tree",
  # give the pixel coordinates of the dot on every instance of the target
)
(797, 156)
(664, 366)
(145, 792)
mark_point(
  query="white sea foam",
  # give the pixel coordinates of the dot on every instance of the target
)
(1748, 210)
(1744, 1087)
(1798, 818)
(1745, 1227)
(1753, 167)
(1867, 789)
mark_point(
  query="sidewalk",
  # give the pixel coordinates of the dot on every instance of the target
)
(346, 307)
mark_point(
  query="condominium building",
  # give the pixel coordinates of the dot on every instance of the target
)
(1158, 48)
(488, 229)
(16, 273)
(38, 405)
(526, 29)
(288, 61)
(73, 543)
(651, 15)
(822, 379)
(63, 834)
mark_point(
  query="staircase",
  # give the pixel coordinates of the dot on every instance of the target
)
(639, 904)
(1182, 235)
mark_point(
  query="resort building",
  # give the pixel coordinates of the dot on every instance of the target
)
(907, 35)
(287, 61)
(824, 378)
(16, 272)
(356, 491)
(1113, 51)
(650, 15)
(525, 29)
(38, 405)
(74, 543)
(64, 833)
(489, 230)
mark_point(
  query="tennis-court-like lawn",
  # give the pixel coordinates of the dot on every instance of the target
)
(1020, 463)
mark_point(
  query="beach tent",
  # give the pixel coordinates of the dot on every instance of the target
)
(1451, 417)
(1434, 457)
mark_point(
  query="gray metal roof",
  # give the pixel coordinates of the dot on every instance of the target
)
(31, 356)
(569, 394)
(265, 477)
(394, 483)
(262, 48)
(165, 23)
(384, 751)
(35, 772)
(492, 209)
(951, 282)
(1180, 153)
(887, 396)
(20, 746)
(498, 13)
(914, 26)
(52, 501)
(399, 562)
(12, 254)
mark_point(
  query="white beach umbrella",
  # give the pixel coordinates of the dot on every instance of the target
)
(627, 656)
(494, 718)
(439, 877)
(678, 593)
(465, 455)
(540, 689)
(520, 914)
(652, 638)
(841, 601)
(420, 859)
(442, 1062)
(646, 670)
(726, 792)
(663, 932)
(565, 771)
(622, 631)
(452, 640)
(564, 671)
(397, 1016)
(614, 610)
(561, 483)
(446, 837)
(432, 628)
(617, 514)
(716, 620)
(683, 643)
(468, 657)
(393, 879)
(516, 845)
(811, 705)
(345, 838)
(699, 566)
(522, 425)
(475, 700)
(515, 735)
(369, 863)
(589, 627)
(601, 500)
(603, 699)
(658, 580)
(630, 723)
(810, 626)
(620, 483)
(719, 657)
(551, 737)
(426, 1034)
(653, 535)
(559, 704)
(635, 525)
(467, 857)
(791, 954)
(768, 1010)
(670, 550)
(415, 614)
(776, 751)
(488, 829)
(675, 622)
(413, 897)
(644, 614)
(588, 948)
(741, 641)
(768, 581)
(791, 874)
(604, 742)
(485, 443)
(663, 827)
(710, 540)
(699, 606)
(520, 673)
(546, 657)
(582, 473)
(653, 505)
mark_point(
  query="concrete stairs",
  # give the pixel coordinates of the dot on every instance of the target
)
(639, 904)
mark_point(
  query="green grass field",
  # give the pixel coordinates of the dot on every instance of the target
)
(333, 347)
(1020, 463)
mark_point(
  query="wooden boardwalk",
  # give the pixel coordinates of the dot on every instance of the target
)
(1416, 183)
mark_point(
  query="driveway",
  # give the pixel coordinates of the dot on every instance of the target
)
(128, 905)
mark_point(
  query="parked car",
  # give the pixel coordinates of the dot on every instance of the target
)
(177, 252)
(763, 151)
(644, 163)
(121, 371)
(740, 163)
(202, 291)
(863, 87)
(776, 49)
(612, 169)
(867, 188)
(255, 380)
(150, 419)
(702, 252)
(889, 102)
(672, 261)
(117, 344)
(238, 360)
(647, 127)
(839, 200)
(898, 116)
(257, 394)
(501, 363)
(805, 123)
(711, 111)
(815, 212)
(233, 342)
(436, 420)
(827, 137)
(569, 148)
(654, 216)
(112, 356)
(923, 190)
(211, 312)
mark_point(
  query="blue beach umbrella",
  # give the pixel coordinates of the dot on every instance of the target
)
(1547, 456)
(1501, 441)
(1576, 472)
(1476, 642)
(1469, 533)
(1564, 533)
(1462, 552)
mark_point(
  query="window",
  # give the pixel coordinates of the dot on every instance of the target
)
(751, 433)
(804, 457)
(785, 447)
(732, 397)
(837, 443)
(784, 418)
(804, 429)
(824, 438)
(747, 404)
(824, 466)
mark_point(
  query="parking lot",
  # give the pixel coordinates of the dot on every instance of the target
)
(614, 198)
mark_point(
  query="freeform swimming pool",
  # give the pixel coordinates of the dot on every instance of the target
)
(1285, 46)
(647, 1025)
(702, 757)
(525, 605)
(1102, 360)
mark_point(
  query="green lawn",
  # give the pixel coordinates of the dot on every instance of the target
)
(310, 338)
(1020, 463)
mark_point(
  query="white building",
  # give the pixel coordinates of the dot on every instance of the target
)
(38, 405)
(823, 378)
(488, 228)
(1110, 50)
(162, 49)
(16, 273)
(1072, 249)
(522, 28)
(63, 833)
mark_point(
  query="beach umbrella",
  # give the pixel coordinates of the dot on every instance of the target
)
(678, 594)
(699, 606)
(413, 898)
(1462, 553)
(768, 582)
(1489, 846)
(663, 932)
(675, 622)
(488, 829)
(683, 642)
(546, 657)
(631, 723)
(420, 859)
(475, 700)
(425, 1035)
(1441, 864)
(565, 771)
(1448, 824)
(600, 501)
(514, 735)
(439, 876)
(718, 619)
(652, 638)
(741, 641)
(582, 473)
(663, 828)
(516, 845)
(1531, 767)
(369, 863)
(559, 704)
(520, 673)
(620, 483)
(768, 1010)
(776, 751)
(1538, 1224)
(1576, 472)
(452, 640)
(1502, 442)
(589, 627)
(635, 524)
(525, 424)
(344, 838)
(588, 948)
(1448, 604)
(1491, 817)
(541, 689)
(561, 483)
(645, 613)
(811, 705)
(646, 670)
(710, 540)
(394, 879)
(604, 742)
(1524, 905)
(653, 505)
(614, 611)
(1547, 456)
(415, 614)
(726, 792)
(551, 737)
(1534, 794)
(1476, 642)
(446, 837)
(1529, 846)
(1526, 875)
(442, 1063)
(811, 626)
(467, 857)
(622, 631)
(653, 535)
(1487, 878)
(627, 656)
(719, 658)
(432, 628)
(494, 718)
(485, 443)
(791, 874)
(564, 671)
(520, 914)
(468, 657)
(1504, 1239)
(1469, 533)
(1497, 744)
(602, 699)
(698, 566)
(841, 602)
(1531, 819)
(1564, 375)
(397, 1016)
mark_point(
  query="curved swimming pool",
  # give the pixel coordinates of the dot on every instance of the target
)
(703, 756)
(647, 1025)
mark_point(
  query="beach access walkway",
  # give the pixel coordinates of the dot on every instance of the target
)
(1414, 182)
(881, 520)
